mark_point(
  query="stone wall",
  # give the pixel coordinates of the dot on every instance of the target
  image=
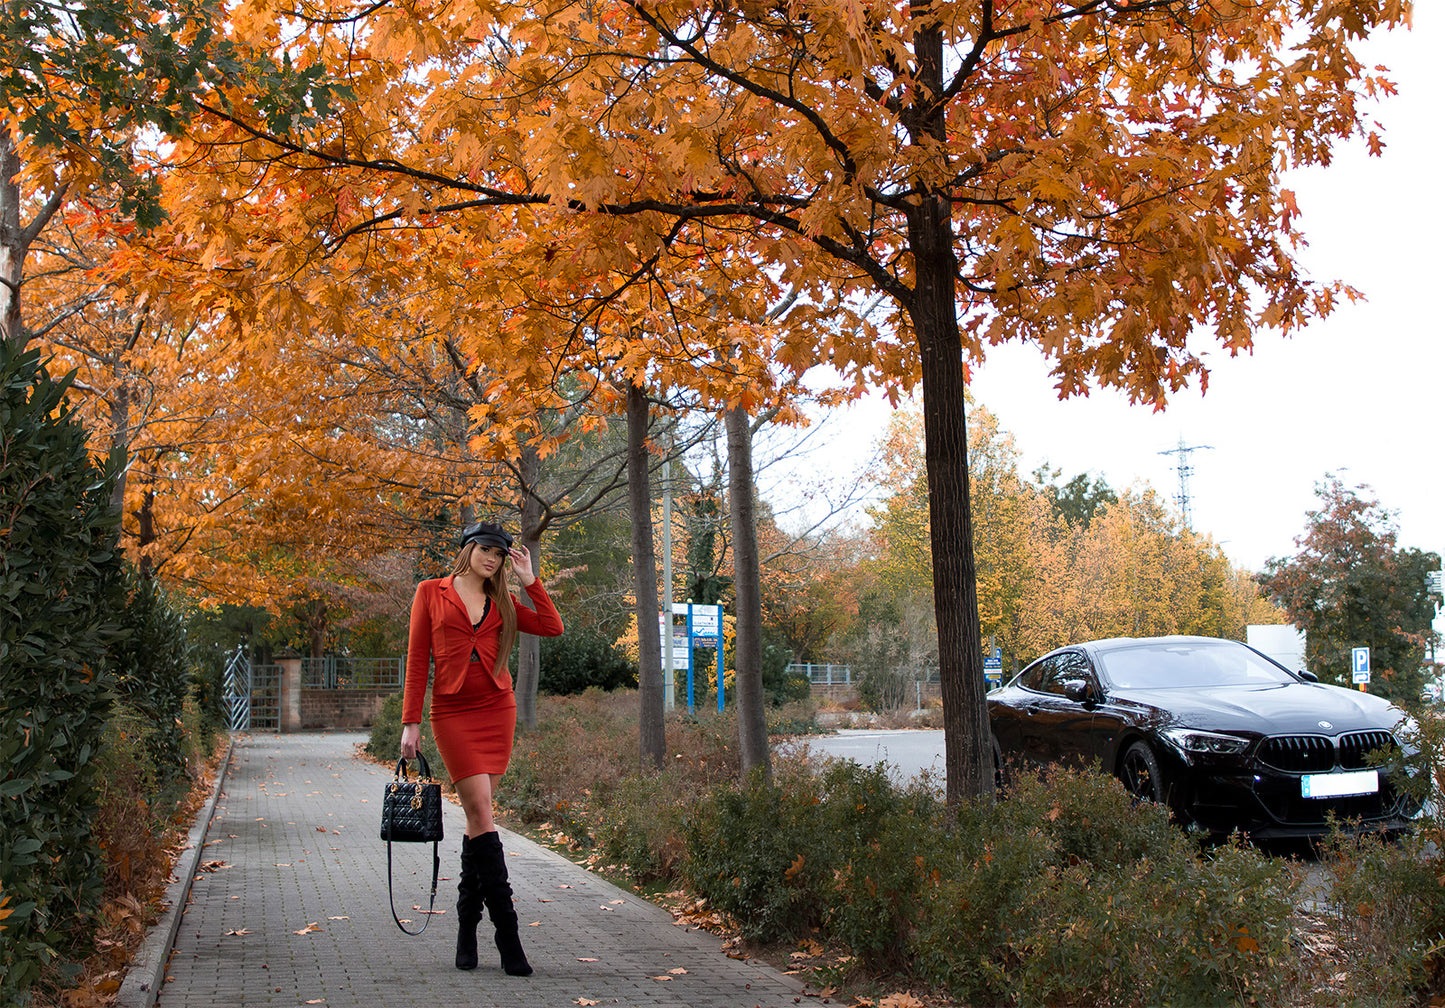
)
(341, 708)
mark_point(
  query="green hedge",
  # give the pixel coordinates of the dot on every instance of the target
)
(60, 595)
(152, 676)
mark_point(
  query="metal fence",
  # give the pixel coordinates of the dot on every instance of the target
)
(822, 675)
(344, 672)
(252, 693)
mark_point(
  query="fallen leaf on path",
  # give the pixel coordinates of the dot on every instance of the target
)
(902, 1000)
(585, 1001)
(309, 928)
(677, 972)
(239, 931)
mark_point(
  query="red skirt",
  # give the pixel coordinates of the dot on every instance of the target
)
(474, 726)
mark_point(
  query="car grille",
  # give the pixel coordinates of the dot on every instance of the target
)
(1298, 753)
(1318, 753)
(1301, 754)
(1355, 748)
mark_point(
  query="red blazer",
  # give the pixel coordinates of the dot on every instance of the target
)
(441, 630)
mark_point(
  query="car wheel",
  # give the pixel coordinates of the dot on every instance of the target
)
(1141, 774)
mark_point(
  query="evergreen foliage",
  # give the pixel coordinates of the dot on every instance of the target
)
(60, 592)
(580, 659)
(151, 667)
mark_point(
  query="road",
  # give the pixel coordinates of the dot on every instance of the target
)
(908, 752)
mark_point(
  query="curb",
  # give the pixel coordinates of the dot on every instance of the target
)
(142, 984)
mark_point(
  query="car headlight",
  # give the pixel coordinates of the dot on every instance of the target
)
(1195, 742)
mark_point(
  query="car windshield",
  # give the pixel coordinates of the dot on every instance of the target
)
(1164, 666)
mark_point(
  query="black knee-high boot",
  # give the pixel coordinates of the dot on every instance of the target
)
(498, 897)
(469, 902)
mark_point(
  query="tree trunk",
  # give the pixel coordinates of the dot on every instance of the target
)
(12, 243)
(119, 436)
(747, 594)
(15, 239)
(968, 752)
(529, 648)
(651, 732)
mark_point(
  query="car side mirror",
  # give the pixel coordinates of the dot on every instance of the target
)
(1078, 690)
(1307, 675)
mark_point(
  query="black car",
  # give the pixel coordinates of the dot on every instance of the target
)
(1226, 737)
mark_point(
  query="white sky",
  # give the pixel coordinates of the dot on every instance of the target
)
(1355, 394)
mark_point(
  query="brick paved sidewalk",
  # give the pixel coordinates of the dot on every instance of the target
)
(290, 908)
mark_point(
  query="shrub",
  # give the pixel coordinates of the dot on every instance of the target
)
(763, 855)
(1068, 892)
(152, 677)
(585, 658)
(59, 593)
(130, 813)
(580, 770)
(640, 827)
(884, 837)
(206, 714)
(385, 740)
(1386, 902)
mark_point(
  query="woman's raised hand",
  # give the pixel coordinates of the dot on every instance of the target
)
(522, 565)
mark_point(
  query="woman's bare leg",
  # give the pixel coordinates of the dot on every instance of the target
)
(475, 793)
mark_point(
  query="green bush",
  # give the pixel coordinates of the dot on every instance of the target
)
(1386, 900)
(385, 741)
(60, 580)
(134, 802)
(883, 836)
(152, 676)
(581, 659)
(1068, 892)
(763, 855)
(640, 827)
(206, 715)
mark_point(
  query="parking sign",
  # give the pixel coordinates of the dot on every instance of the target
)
(1360, 664)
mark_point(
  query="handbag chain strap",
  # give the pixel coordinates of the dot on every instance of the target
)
(436, 861)
(436, 866)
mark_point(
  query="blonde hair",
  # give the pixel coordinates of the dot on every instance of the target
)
(499, 591)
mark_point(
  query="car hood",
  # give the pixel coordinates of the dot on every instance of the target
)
(1291, 709)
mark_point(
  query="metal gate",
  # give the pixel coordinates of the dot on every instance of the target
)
(252, 693)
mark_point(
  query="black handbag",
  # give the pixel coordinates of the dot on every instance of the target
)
(411, 812)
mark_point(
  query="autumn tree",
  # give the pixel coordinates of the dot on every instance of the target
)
(1046, 580)
(1351, 585)
(1102, 179)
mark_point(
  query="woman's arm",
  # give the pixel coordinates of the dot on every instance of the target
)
(418, 664)
(542, 620)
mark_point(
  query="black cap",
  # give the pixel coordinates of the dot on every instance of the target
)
(487, 534)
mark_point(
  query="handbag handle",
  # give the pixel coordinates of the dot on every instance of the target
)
(423, 771)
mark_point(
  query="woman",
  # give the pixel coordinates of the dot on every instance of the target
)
(467, 623)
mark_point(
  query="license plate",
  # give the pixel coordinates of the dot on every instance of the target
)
(1340, 785)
